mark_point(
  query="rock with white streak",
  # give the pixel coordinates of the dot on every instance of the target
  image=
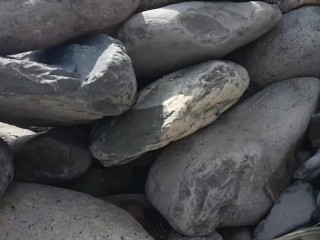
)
(9, 132)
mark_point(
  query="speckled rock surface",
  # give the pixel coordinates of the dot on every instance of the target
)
(6, 166)
(28, 25)
(196, 183)
(168, 39)
(289, 50)
(31, 211)
(171, 108)
(73, 84)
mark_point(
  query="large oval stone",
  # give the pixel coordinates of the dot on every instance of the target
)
(230, 173)
(169, 109)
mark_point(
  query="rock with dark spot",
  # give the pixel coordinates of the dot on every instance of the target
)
(68, 84)
(236, 233)
(6, 166)
(293, 210)
(289, 50)
(31, 211)
(52, 157)
(9, 132)
(30, 25)
(167, 39)
(207, 179)
(169, 109)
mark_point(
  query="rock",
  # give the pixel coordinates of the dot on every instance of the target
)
(52, 157)
(9, 132)
(173, 235)
(6, 166)
(84, 81)
(197, 182)
(289, 50)
(120, 200)
(152, 4)
(24, 29)
(293, 210)
(167, 39)
(314, 130)
(31, 211)
(310, 170)
(236, 233)
(170, 108)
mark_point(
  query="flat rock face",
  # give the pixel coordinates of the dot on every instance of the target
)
(167, 39)
(31, 211)
(77, 83)
(229, 173)
(289, 50)
(9, 132)
(52, 157)
(6, 166)
(293, 210)
(169, 109)
(52, 22)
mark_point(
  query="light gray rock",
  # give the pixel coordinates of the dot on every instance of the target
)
(9, 132)
(169, 109)
(87, 80)
(289, 50)
(293, 210)
(6, 166)
(167, 39)
(236, 233)
(173, 235)
(208, 179)
(51, 157)
(31, 25)
(31, 211)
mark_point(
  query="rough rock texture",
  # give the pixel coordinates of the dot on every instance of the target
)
(52, 157)
(236, 233)
(167, 39)
(28, 25)
(176, 236)
(31, 211)
(9, 132)
(170, 108)
(6, 166)
(89, 79)
(152, 4)
(293, 210)
(197, 182)
(289, 50)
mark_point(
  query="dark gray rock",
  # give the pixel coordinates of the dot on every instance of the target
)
(173, 235)
(171, 108)
(293, 210)
(310, 170)
(84, 81)
(6, 166)
(31, 25)
(152, 4)
(207, 179)
(289, 50)
(167, 39)
(31, 211)
(52, 157)
(314, 130)
(236, 233)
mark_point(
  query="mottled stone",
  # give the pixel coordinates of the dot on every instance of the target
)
(171, 108)
(198, 182)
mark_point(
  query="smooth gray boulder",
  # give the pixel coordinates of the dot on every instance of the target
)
(70, 84)
(52, 157)
(289, 50)
(30, 25)
(6, 166)
(230, 173)
(171, 108)
(9, 132)
(167, 39)
(293, 210)
(32, 211)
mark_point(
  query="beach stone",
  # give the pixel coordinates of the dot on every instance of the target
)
(9, 132)
(69, 84)
(6, 166)
(289, 50)
(171, 108)
(197, 183)
(52, 157)
(31, 25)
(168, 39)
(32, 211)
(293, 210)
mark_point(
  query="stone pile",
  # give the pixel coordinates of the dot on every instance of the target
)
(159, 119)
